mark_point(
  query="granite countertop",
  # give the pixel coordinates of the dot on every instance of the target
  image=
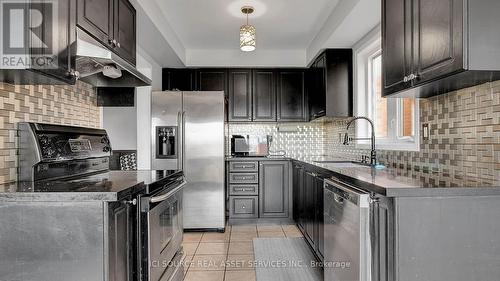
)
(108, 186)
(393, 182)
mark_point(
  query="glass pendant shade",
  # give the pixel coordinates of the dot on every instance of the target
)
(247, 38)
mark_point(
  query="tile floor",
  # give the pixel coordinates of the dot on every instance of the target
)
(225, 256)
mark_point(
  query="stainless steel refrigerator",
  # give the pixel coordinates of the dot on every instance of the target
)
(188, 134)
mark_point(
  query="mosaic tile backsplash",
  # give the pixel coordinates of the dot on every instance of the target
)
(464, 139)
(67, 105)
(296, 139)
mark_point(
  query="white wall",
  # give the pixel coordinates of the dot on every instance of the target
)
(150, 68)
(121, 125)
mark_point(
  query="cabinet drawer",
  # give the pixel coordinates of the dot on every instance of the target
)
(243, 206)
(243, 178)
(252, 166)
(241, 189)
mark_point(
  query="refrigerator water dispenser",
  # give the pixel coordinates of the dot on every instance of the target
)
(166, 142)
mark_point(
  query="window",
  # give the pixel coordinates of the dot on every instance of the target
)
(395, 119)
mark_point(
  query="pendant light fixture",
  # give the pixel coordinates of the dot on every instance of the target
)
(247, 32)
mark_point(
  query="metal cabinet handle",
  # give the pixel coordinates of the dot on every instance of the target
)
(74, 73)
(405, 79)
(130, 202)
(243, 207)
(118, 45)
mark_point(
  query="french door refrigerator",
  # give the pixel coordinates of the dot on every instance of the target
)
(188, 134)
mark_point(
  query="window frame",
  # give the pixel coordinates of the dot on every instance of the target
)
(365, 51)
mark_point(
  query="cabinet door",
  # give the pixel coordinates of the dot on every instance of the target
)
(382, 239)
(302, 200)
(291, 96)
(396, 44)
(96, 17)
(273, 189)
(212, 80)
(240, 96)
(309, 210)
(297, 179)
(125, 30)
(317, 89)
(438, 31)
(61, 48)
(177, 79)
(339, 81)
(264, 95)
(319, 221)
(120, 235)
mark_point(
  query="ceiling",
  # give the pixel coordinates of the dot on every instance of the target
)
(214, 24)
(289, 32)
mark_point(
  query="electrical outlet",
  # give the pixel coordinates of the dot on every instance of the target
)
(425, 132)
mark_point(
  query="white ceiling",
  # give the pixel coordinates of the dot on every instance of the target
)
(214, 24)
(289, 32)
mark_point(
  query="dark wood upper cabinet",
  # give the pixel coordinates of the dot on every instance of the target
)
(291, 104)
(240, 96)
(60, 45)
(178, 79)
(125, 30)
(396, 51)
(96, 17)
(316, 87)
(212, 80)
(429, 47)
(112, 22)
(330, 84)
(264, 95)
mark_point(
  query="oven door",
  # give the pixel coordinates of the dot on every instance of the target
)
(165, 230)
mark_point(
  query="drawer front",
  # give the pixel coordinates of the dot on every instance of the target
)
(244, 189)
(243, 206)
(249, 166)
(243, 178)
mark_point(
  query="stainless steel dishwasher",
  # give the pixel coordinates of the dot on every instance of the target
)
(347, 243)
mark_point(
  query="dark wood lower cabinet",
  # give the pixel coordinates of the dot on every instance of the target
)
(273, 189)
(259, 189)
(308, 207)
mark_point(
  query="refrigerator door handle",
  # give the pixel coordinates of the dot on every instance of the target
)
(183, 143)
(180, 139)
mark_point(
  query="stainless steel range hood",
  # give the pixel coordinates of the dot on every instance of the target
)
(99, 66)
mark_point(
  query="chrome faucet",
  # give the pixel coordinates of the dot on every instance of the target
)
(347, 139)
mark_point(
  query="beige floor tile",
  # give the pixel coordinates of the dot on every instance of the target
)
(187, 262)
(212, 249)
(265, 227)
(245, 275)
(204, 276)
(243, 236)
(271, 234)
(293, 234)
(240, 262)
(238, 248)
(243, 228)
(215, 237)
(190, 248)
(192, 237)
(289, 227)
(207, 262)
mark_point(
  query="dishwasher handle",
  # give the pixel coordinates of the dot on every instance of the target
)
(345, 192)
